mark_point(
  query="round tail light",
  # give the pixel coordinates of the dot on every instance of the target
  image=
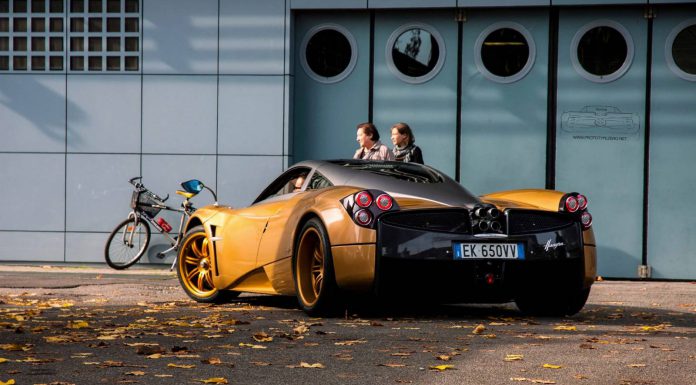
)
(384, 202)
(363, 199)
(571, 204)
(582, 202)
(586, 219)
(363, 217)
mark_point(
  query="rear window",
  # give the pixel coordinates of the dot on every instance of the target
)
(411, 172)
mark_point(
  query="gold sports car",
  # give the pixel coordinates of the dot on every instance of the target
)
(326, 229)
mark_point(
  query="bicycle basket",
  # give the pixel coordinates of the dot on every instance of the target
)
(143, 201)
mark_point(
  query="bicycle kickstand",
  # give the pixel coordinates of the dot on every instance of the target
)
(173, 263)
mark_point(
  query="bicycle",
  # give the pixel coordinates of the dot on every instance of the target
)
(131, 238)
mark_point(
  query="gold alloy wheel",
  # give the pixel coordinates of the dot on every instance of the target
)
(195, 267)
(310, 266)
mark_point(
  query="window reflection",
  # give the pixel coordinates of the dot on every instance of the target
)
(505, 52)
(602, 51)
(415, 52)
(684, 50)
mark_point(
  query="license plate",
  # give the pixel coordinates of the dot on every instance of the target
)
(488, 250)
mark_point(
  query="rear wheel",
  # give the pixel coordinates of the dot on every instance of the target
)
(315, 282)
(195, 270)
(553, 305)
(127, 243)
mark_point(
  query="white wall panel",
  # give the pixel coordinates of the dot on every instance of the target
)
(104, 113)
(163, 175)
(251, 115)
(179, 114)
(180, 36)
(98, 192)
(252, 37)
(32, 112)
(85, 247)
(31, 246)
(35, 192)
(242, 178)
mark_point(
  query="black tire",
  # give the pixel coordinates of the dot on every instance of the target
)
(119, 252)
(552, 305)
(195, 269)
(313, 271)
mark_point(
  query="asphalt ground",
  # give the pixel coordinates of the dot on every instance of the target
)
(93, 325)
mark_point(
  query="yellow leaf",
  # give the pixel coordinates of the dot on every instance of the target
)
(181, 366)
(479, 329)
(637, 365)
(154, 356)
(653, 328)
(566, 328)
(392, 365)
(549, 366)
(312, 366)
(262, 337)
(350, 343)
(57, 339)
(78, 324)
(3, 360)
(214, 380)
(9, 382)
(513, 357)
(242, 344)
(15, 347)
(136, 373)
(442, 367)
(443, 357)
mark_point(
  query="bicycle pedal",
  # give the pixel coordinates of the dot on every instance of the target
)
(160, 255)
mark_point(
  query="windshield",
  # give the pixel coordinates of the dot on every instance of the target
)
(402, 171)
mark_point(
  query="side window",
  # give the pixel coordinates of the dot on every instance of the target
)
(291, 181)
(318, 182)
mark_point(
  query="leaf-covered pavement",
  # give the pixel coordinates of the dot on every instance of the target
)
(627, 335)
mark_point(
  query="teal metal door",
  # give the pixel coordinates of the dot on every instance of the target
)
(504, 99)
(672, 182)
(600, 126)
(415, 80)
(331, 89)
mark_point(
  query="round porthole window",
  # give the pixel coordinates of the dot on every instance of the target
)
(680, 50)
(505, 52)
(415, 53)
(602, 51)
(329, 53)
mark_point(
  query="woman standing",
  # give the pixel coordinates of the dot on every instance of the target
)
(370, 146)
(404, 148)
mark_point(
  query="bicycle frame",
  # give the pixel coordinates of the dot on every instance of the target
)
(175, 242)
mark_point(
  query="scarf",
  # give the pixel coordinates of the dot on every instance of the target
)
(403, 153)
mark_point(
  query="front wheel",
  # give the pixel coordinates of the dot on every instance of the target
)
(315, 282)
(127, 243)
(195, 269)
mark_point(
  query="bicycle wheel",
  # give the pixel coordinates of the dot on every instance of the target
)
(127, 243)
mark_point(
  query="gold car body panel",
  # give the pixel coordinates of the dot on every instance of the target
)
(526, 198)
(354, 266)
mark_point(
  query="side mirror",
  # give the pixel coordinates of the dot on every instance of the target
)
(193, 186)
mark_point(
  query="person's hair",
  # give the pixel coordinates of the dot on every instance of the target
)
(370, 130)
(404, 129)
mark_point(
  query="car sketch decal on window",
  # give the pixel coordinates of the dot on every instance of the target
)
(600, 120)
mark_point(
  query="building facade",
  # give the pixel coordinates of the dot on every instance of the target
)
(592, 96)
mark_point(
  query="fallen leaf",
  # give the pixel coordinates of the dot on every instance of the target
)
(514, 357)
(479, 329)
(636, 365)
(581, 377)
(566, 328)
(311, 366)
(9, 382)
(262, 337)
(154, 356)
(16, 347)
(212, 361)
(443, 357)
(136, 373)
(442, 367)
(78, 324)
(242, 344)
(550, 366)
(214, 380)
(655, 328)
(3, 360)
(181, 366)
(392, 365)
(532, 380)
(300, 329)
(350, 343)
